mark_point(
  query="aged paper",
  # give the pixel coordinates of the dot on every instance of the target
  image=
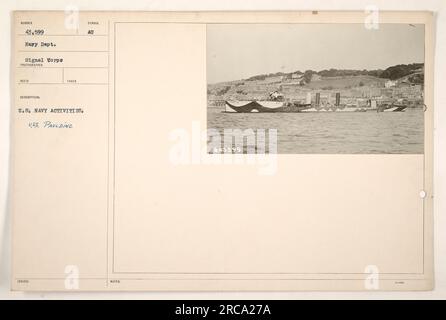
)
(123, 177)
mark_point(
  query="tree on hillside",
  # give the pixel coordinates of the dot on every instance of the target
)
(223, 90)
(417, 78)
(401, 70)
(307, 75)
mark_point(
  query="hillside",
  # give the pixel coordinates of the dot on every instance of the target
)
(400, 81)
(392, 73)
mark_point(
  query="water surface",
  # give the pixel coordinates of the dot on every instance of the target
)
(332, 132)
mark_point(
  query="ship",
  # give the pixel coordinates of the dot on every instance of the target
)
(276, 103)
(264, 106)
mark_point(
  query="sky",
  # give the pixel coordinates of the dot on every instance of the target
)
(238, 51)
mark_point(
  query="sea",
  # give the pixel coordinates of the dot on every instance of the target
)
(332, 132)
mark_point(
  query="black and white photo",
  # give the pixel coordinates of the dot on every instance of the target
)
(325, 88)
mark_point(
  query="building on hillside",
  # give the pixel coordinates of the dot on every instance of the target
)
(390, 83)
(297, 76)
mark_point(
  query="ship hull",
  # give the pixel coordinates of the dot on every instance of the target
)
(264, 107)
(275, 107)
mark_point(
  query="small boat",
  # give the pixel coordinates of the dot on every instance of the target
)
(396, 108)
(392, 108)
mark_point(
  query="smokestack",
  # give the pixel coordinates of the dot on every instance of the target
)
(318, 99)
(338, 99)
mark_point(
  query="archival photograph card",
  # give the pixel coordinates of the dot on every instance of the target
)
(222, 151)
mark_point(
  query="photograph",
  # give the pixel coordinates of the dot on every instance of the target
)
(320, 88)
